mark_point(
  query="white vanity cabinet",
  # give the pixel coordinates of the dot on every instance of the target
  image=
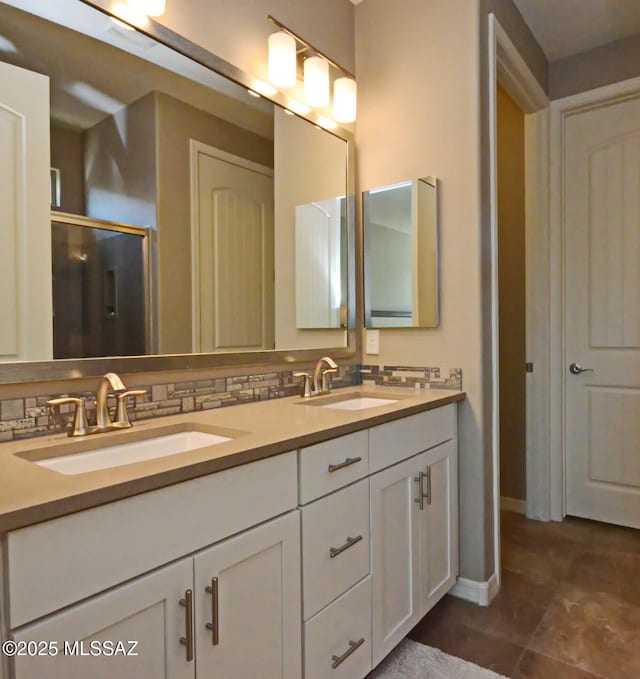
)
(146, 611)
(414, 543)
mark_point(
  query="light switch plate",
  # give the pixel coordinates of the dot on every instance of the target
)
(372, 342)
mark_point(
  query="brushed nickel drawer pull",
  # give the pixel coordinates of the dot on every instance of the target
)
(187, 640)
(334, 551)
(347, 463)
(421, 494)
(214, 625)
(353, 647)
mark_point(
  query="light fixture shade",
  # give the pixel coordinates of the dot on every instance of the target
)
(131, 13)
(282, 60)
(316, 82)
(345, 93)
(152, 8)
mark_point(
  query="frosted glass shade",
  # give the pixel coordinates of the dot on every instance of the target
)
(282, 60)
(344, 100)
(316, 82)
(152, 8)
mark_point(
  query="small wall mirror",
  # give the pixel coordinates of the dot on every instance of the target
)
(401, 255)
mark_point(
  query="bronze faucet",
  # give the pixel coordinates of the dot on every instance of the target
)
(80, 425)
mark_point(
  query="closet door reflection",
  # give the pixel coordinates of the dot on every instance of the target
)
(100, 292)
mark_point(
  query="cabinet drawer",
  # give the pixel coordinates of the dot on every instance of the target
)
(330, 635)
(396, 441)
(333, 464)
(335, 545)
(102, 547)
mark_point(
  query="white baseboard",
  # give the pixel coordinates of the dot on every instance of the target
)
(481, 593)
(510, 504)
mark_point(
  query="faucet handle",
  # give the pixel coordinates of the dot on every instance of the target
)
(122, 416)
(326, 382)
(306, 389)
(80, 425)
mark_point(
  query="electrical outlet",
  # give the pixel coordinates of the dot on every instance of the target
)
(372, 342)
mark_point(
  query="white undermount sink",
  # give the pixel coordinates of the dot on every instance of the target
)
(359, 403)
(128, 453)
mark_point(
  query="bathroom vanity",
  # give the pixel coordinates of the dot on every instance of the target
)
(307, 546)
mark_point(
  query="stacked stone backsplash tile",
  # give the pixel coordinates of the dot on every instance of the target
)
(413, 377)
(28, 417)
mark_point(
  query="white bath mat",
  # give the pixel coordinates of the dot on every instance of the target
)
(411, 660)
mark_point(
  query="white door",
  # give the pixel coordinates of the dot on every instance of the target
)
(602, 310)
(26, 326)
(146, 611)
(248, 604)
(232, 246)
(438, 521)
(394, 556)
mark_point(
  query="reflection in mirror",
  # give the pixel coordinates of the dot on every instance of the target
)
(143, 138)
(401, 255)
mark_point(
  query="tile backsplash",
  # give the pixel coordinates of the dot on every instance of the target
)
(414, 377)
(22, 418)
(27, 417)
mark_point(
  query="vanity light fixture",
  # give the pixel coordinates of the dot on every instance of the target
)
(316, 82)
(282, 60)
(344, 100)
(316, 76)
(130, 14)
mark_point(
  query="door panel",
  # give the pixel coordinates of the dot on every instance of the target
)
(602, 288)
(146, 610)
(233, 245)
(26, 331)
(258, 604)
(394, 550)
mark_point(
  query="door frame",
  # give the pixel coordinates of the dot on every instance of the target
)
(195, 148)
(508, 67)
(561, 109)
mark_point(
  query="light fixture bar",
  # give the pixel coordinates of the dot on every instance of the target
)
(308, 46)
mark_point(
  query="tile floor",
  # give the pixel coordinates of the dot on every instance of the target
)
(569, 607)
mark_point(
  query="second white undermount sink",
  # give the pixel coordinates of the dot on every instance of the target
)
(128, 453)
(359, 403)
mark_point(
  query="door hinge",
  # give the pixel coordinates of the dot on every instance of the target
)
(528, 367)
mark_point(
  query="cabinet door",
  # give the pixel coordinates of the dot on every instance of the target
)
(394, 551)
(146, 610)
(248, 604)
(438, 521)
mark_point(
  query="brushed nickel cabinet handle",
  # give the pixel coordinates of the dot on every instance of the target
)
(347, 463)
(187, 640)
(214, 625)
(421, 494)
(353, 647)
(428, 485)
(334, 551)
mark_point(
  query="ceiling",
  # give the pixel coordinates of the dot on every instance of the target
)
(565, 27)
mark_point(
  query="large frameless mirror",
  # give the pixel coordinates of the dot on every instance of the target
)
(401, 255)
(188, 216)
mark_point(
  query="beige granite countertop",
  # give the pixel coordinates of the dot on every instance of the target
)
(30, 493)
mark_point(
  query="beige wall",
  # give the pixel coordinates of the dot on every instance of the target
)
(177, 123)
(424, 111)
(120, 165)
(67, 154)
(601, 66)
(310, 165)
(419, 115)
(511, 272)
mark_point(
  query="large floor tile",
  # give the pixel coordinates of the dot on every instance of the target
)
(463, 641)
(594, 631)
(536, 666)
